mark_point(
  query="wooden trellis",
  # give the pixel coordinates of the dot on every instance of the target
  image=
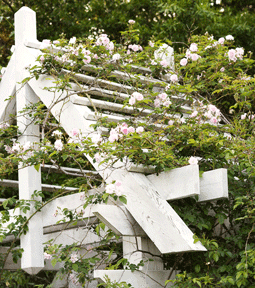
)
(147, 222)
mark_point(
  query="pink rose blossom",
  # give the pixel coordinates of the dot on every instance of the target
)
(183, 62)
(58, 145)
(194, 114)
(171, 122)
(157, 103)
(110, 46)
(139, 130)
(164, 63)
(174, 78)
(118, 183)
(212, 108)
(221, 40)
(98, 157)
(131, 129)
(194, 57)
(87, 59)
(42, 59)
(162, 96)
(239, 53)
(214, 120)
(151, 43)
(243, 116)
(124, 130)
(193, 160)
(232, 55)
(74, 257)
(134, 47)
(113, 138)
(167, 103)
(188, 54)
(46, 256)
(116, 57)
(72, 40)
(138, 96)
(222, 69)
(74, 132)
(229, 38)
(131, 21)
(128, 52)
(132, 100)
(96, 138)
(193, 47)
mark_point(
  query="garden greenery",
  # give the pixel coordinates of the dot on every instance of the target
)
(199, 110)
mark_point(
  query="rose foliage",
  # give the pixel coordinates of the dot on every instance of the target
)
(196, 109)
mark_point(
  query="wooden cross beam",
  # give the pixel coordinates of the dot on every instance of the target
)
(185, 182)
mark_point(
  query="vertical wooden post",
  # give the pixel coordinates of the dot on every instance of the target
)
(135, 248)
(29, 179)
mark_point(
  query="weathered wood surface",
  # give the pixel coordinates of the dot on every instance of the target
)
(177, 183)
(118, 219)
(214, 185)
(135, 250)
(185, 182)
(157, 218)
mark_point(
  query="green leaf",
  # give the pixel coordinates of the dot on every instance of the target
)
(197, 268)
(231, 281)
(75, 267)
(37, 167)
(215, 257)
(5, 203)
(123, 199)
(54, 262)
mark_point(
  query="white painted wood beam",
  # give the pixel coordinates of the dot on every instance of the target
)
(67, 169)
(135, 250)
(10, 265)
(185, 182)
(66, 113)
(177, 183)
(118, 219)
(214, 185)
(107, 105)
(157, 218)
(29, 179)
(101, 83)
(45, 187)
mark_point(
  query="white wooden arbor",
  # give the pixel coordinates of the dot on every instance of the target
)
(147, 222)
